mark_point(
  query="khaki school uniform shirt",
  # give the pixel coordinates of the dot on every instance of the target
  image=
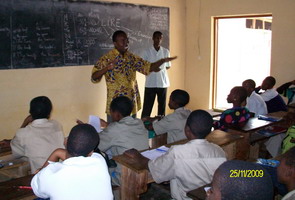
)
(173, 124)
(126, 134)
(188, 166)
(37, 141)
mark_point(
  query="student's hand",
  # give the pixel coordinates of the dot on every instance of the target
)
(27, 120)
(103, 123)
(78, 121)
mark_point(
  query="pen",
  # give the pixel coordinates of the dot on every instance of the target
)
(161, 150)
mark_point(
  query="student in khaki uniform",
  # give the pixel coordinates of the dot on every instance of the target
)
(125, 132)
(174, 123)
(38, 136)
(190, 165)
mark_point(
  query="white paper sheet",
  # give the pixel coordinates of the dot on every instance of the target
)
(155, 153)
(95, 122)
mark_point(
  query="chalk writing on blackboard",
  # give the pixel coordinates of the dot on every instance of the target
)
(48, 33)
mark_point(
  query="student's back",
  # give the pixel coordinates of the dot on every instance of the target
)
(120, 136)
(174, 123)
(40, 137)
(82, 175)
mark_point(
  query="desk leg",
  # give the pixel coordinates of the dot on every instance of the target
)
(132, 184)
(242, 146)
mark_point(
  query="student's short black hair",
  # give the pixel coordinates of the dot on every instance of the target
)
(233, 186)
(289, 157)
(200, 123)
(270, 80)
(123, 105)
(241, 92)
(40, 107)
(157, 33)
(250, 82)
(116, 34)
(181, 97)
(82, 139)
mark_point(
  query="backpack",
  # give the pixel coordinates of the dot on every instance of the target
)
(287, 143)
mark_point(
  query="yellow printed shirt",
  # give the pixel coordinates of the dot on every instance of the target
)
(121, 81)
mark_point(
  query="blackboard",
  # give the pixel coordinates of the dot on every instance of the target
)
(52, 33)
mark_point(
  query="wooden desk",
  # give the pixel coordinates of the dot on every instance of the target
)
(158, 140)
(244, 149)
(4, 151)
(7, 191)
(134, 177)
(14, 169)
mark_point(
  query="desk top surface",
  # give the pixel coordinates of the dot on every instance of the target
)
(9, 191)
(218, 137)
(5, 151)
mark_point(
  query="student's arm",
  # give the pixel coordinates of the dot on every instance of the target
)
(134, 154)
(155, 67)
(285, 86)
(27, 120)
(56, 155)
(96, 76)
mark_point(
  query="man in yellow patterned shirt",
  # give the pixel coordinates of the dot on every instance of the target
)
(119, 67)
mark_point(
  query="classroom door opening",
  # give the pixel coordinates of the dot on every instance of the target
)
(242, 50)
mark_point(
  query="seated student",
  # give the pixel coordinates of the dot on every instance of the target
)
(255, 103)
(38, 136)
(187, 166)
(173, 124)
(240, 180)
(82, 174)
(273, 100)
(288, 92)
(123, 133)
(236, 116)
(286, 172)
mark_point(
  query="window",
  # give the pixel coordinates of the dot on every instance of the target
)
(242, 50)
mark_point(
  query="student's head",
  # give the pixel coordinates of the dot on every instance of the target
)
(229, 184)
(40, 107)
(178, 98)
(157, 38)
(237, 96)
(120, 41)
(286, 169)
(249, 85)
(82, 140)
(268, 83)
(198, 125)
(121, 107)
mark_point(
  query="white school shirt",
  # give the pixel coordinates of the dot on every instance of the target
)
(75, 178)
(256, 104)
(188, 166)
(269, 94)
(157, 79)
(289, 196)
(37, 141)
(173, 124)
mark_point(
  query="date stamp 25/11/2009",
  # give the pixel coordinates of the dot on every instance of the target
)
(237, 173)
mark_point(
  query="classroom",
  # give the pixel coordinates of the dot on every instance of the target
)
(74, 96)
